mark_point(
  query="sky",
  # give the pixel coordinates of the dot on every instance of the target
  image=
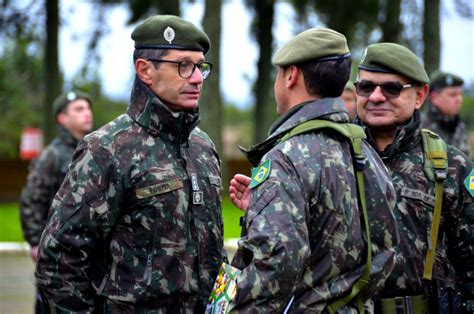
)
(239, 52)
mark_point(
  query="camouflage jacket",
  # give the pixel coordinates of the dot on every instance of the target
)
(138, 218)
(303, 235)
(46, 173)
(451, 129)
(454, 258)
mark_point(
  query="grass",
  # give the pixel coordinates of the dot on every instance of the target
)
(10, 227)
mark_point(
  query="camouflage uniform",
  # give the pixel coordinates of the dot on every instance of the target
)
(137, 220)
(302, 234)
(451, 129)
(454, 259)
(46, 174)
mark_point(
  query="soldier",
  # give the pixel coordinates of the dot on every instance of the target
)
(431, 266)
(349, 99)
(442, 115)
(73, 113)
(137, 224)
(304, 241)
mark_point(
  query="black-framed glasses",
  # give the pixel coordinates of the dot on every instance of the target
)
(186, 68)
(389, 89)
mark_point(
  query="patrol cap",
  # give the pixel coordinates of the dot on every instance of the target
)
(440, 80)
(169, 32)
(61, 102)
(315, 44)
(393, 58)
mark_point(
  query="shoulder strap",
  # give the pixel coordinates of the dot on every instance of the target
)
(435, 167)
(355, 134)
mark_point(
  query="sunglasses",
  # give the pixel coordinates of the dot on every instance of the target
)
(389, 89)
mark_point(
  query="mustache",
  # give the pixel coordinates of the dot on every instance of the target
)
(384, 105)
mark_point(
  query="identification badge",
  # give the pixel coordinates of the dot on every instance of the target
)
(198, 198)
(160, 188)
(194, 182)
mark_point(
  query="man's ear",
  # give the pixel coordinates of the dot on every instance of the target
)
(61, 118)
(291, 76)
(144, 70)
(421, 93)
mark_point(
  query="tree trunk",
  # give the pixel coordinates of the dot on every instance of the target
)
(264, 109)
(52, 76)
(431, 35)
(211, 100)
(391, 26)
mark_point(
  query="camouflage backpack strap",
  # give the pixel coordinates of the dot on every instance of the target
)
(355, 134)
(436, 169)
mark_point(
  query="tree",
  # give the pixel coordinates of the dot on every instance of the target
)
(431, 36)
(53, 79)
(264, 107)
(211, 100)
(390, 24)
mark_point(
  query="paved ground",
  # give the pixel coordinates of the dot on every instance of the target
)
(16, 283)
(17, 288)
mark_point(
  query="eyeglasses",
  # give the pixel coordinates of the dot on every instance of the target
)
(389, 89)
(186, 68)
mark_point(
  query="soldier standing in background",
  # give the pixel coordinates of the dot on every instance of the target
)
(431, 267)
(304, 240)
(73, 113)
(442, 115)
(137, 224)
(349, 99)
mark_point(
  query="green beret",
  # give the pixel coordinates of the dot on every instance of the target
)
(169, 32)
(61, 102)
(393, 58)
(315, 44)
(440, 80)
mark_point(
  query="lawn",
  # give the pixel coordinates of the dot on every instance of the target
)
(10, 228)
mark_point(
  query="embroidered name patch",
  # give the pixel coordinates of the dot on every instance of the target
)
(415, 194)
(160, 188)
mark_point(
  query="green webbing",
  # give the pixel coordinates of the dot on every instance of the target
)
(436, 164)
(355, 133)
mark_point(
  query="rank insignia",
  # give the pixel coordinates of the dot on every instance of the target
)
(260, 173)
(469, 183)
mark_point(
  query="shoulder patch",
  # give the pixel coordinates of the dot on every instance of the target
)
(260, 173)
(468, 183)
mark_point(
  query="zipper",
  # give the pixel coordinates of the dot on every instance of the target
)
(149, 261)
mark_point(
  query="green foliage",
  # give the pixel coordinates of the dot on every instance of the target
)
(21, 92)
(10, 227)
(467, 112)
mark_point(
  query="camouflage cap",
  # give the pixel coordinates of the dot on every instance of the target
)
(393, 58)
(170, 32)
(315, 44)
(440, 80)
(61, 102)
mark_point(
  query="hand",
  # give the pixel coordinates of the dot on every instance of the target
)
(34, 253)
(239, 191)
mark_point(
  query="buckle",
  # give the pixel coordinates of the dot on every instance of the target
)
(440, 174)
(403, 305)
(360, 162)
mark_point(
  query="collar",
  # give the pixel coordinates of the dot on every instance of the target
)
(406, 137)
(156, 118)
(330, 109)
(437, 116)
(66, 137)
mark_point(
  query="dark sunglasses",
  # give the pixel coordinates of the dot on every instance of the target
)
(389, 89)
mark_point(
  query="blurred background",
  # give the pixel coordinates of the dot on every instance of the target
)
(51, 46)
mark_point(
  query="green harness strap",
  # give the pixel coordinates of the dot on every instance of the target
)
(435, 167)
(355, 134)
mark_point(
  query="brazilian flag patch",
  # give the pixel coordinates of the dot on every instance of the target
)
(260, 173)
(468, 183)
